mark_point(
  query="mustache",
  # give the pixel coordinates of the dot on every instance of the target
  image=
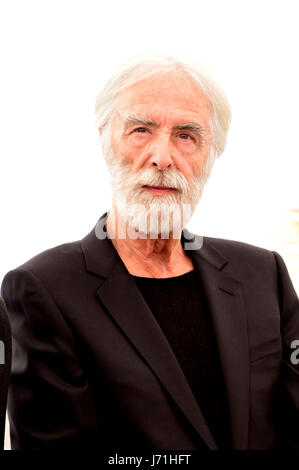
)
(169, 178)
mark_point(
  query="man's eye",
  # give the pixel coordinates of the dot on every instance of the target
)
(185, 136)
(140, 129)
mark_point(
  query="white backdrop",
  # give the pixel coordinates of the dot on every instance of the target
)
(56, 56)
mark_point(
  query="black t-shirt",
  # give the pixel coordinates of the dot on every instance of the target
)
(179, 306)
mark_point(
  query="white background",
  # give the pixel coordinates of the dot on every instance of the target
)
(55, 57)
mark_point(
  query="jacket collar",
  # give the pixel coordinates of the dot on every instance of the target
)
(126, 305)
(101, 256)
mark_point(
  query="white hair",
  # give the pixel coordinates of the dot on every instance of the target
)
(141, 68)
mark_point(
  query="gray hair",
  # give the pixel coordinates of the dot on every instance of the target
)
(140, 69)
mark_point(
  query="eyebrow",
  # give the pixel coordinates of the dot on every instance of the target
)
(134, 119)
(191, 126)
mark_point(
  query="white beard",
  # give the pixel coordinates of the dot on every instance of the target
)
(150, 214)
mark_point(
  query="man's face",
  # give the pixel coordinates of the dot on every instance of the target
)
(160, 140)
(168, 101)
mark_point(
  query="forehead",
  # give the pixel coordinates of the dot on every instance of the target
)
(173, 96)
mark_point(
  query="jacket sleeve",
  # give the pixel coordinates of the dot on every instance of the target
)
(288, 398)
(49, 402)
(5, 363)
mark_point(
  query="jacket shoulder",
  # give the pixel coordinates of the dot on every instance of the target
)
(235, 247)
(57, 262)
(244, 257)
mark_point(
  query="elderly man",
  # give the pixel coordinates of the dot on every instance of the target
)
(143, 335)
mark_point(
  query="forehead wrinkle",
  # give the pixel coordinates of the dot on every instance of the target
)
(163, 96)
(157, 92)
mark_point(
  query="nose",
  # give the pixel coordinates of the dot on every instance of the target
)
(161, 154)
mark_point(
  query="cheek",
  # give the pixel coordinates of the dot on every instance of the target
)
(184, 165)
(190, 156)
(191, 167)
(189, 163)
(199, 162)
(133, 146)
(137, 141)
(187, 147)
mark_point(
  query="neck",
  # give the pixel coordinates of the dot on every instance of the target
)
(155, 257)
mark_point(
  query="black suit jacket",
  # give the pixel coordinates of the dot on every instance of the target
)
(5, 363)
(91, 365)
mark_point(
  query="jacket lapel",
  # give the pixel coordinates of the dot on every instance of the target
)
(121, 297)
(124, 302)
(226, 306)
(126, 305)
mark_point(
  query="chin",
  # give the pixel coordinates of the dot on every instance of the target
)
(155, 216)
(155, 222)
